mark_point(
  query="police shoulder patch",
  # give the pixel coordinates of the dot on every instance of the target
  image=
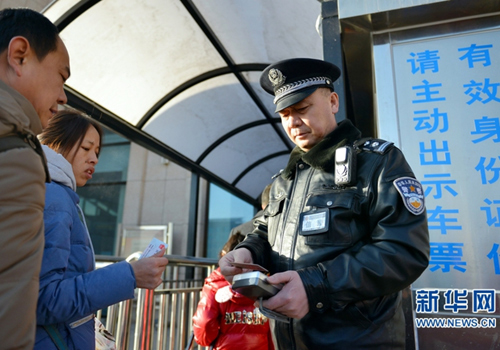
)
(412, 194)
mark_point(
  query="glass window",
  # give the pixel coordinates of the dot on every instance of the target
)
(225, 211)
(102, 197)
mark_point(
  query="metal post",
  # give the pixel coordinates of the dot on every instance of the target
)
(111, 317)
(123, 324)
(193, 214)
(173, 321)
(162, 322)
(332, 48)
(144, 319)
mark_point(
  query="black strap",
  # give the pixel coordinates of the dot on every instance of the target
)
(25, 141)
(56, 337)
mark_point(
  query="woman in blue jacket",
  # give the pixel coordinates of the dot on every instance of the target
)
(71, 289)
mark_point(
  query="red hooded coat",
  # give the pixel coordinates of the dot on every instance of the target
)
(229, 318)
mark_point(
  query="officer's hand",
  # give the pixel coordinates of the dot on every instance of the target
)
(240, 255)
(291, 300)
(148, 270)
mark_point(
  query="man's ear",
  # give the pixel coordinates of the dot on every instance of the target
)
(18, 51)
(334, 101)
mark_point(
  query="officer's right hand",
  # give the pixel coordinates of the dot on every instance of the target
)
(240, 255)
(291, 300)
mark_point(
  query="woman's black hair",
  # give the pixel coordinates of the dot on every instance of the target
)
(231, 243)
(67, 129)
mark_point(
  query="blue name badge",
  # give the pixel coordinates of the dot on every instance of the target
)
(314, 222)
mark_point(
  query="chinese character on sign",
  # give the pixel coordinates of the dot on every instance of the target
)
(490, 218)
(483, 169)
(483, 300)
(427, 92)
(431, 121)
(433, 152)
(439, 184)
(493, 255)
(476, 53)
(474, 90)
(446, 255)
(438, 221)
(489, 127)
(427, 60)
(427, 301)
(455, 300)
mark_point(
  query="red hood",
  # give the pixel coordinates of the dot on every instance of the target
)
(216, 281)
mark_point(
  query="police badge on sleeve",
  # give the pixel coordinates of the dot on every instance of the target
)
(412, 193)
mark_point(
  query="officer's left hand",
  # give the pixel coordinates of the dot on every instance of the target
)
(291, 300)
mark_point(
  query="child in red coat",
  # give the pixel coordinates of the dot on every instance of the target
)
(226, 319)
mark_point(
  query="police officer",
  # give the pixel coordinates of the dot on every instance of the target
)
(345, 230)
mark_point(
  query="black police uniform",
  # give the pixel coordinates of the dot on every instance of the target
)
(355, 245)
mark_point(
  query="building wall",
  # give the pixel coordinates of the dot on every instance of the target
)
(157, 193)
(352, 8)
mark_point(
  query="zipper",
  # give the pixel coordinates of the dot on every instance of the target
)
(327, 189)
(81, 321)
(311, 170)
(302, 204)
(332, 187)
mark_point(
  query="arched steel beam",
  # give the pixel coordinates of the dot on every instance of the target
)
(232, 133)
(196, 80)
(143, 139)
(70, 15)
(193, 11)
(253, 165)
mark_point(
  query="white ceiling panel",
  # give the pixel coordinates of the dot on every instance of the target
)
(183, 77)
(127, 55)
(242, 150)
(196, 118)
(259, 177)
(263, 30)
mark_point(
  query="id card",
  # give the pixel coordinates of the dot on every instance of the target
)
(154, 247)
(315, 221)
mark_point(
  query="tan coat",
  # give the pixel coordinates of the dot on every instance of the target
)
(22, 197)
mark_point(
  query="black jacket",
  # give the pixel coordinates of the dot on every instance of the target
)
(354, 271)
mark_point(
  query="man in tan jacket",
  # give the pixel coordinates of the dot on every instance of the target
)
(34, 64)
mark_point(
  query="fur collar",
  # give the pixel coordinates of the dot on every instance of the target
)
(321, 156)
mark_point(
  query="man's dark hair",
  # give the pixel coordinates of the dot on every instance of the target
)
(41, 33)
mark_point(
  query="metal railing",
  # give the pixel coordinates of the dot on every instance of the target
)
(161, 318)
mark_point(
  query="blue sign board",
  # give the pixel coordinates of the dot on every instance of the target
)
(447, 92)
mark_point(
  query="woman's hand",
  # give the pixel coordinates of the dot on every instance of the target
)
(148, 271)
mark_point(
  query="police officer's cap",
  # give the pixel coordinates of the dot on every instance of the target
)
(292, 80)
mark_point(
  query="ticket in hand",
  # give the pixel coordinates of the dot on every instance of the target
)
(253, 267)
(154, 247)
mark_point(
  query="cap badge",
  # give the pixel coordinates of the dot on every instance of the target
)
(276, 77)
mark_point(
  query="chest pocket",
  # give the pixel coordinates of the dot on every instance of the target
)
(273, 213)
(341, 208)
